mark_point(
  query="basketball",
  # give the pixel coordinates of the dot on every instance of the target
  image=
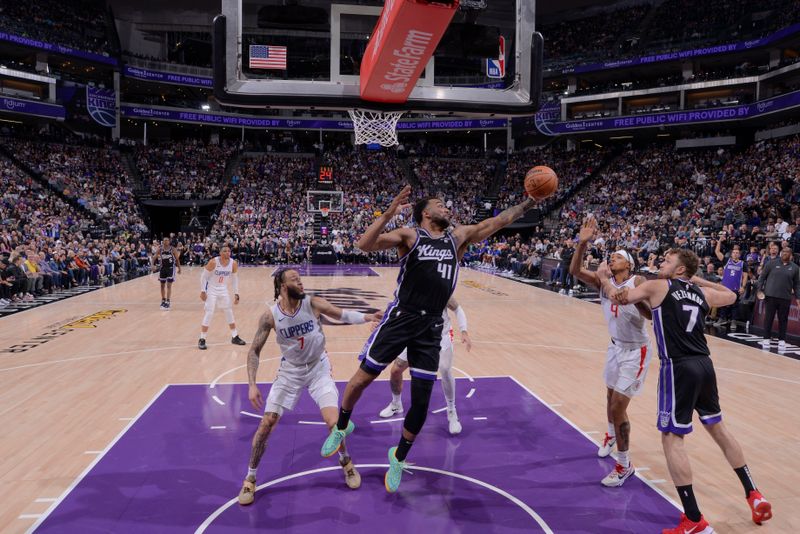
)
(541, 182)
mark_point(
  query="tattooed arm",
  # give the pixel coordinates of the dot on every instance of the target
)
(265, 324)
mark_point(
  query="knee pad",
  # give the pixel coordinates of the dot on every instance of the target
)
(207, 317)
(420, 399)
(229, 316)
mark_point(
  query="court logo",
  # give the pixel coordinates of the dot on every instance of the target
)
(57, 331)
(350, 298)
(477, 285)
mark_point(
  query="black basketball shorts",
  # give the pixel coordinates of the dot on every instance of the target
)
(686, 385)
(418, 332)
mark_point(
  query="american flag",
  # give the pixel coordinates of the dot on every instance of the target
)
(267, 57)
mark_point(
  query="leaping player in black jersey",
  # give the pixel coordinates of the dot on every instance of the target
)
(686, 381)
(429, 257)
(170, 261)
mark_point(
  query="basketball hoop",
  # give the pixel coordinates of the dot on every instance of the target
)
(324, 212)
(373, 127)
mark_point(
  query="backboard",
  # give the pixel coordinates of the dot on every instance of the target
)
(332, 200)
(315, 51)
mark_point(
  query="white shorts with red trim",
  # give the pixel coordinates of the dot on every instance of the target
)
(626, 368)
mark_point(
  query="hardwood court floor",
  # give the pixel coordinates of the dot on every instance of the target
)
(75, 372)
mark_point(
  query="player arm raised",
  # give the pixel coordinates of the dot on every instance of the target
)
(474, 233)
(323, 307)
(265, 324)
(403, 238)
(718, 250)
(588, 231)
(204, 278)
(716, 295)
(461, 319)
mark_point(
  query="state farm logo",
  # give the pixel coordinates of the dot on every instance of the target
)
(407, 60)
(292, 124)
(751, 44)
(396, 88)
(485, 123)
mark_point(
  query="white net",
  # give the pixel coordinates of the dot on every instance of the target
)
(375, 126)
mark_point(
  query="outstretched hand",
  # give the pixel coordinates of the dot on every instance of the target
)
(588, 230)
(400, 202)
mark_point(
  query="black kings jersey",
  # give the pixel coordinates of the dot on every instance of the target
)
(679, 321)
(167, 262)
(428, 273)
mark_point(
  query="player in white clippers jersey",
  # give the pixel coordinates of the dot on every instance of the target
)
(214, 292)
(628, 355)
(304, 365)
(445, 369)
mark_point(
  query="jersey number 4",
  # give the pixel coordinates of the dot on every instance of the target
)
(446, 271)
(615, 310)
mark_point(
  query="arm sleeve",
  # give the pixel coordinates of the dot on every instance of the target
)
(461, 318)
(235, 283)
(353, 317)
(204, 280)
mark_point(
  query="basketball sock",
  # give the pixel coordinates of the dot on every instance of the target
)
(451, 405)
(202, 335)
(623, 459)
(396, 399)
(344, 418)
(234, 333)
(689, 503)
(402, 449)
(747, 481)
(342, 455)
(251, 472)
(611, 431)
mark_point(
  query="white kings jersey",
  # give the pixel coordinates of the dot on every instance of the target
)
(218, 279)
(625, 323)
(300, 335)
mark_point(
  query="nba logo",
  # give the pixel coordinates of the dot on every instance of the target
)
(493, 68)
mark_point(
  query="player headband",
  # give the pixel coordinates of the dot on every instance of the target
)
(624, 254)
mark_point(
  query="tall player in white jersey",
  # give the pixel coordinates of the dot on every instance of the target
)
(214, 292)
(628, 355)
(304, 365)
(445, 369)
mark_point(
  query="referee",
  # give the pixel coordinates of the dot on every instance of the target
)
(778, 280)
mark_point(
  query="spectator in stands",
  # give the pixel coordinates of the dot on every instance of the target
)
(779, 282)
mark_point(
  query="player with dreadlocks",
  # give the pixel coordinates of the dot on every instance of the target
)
(304, 365)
